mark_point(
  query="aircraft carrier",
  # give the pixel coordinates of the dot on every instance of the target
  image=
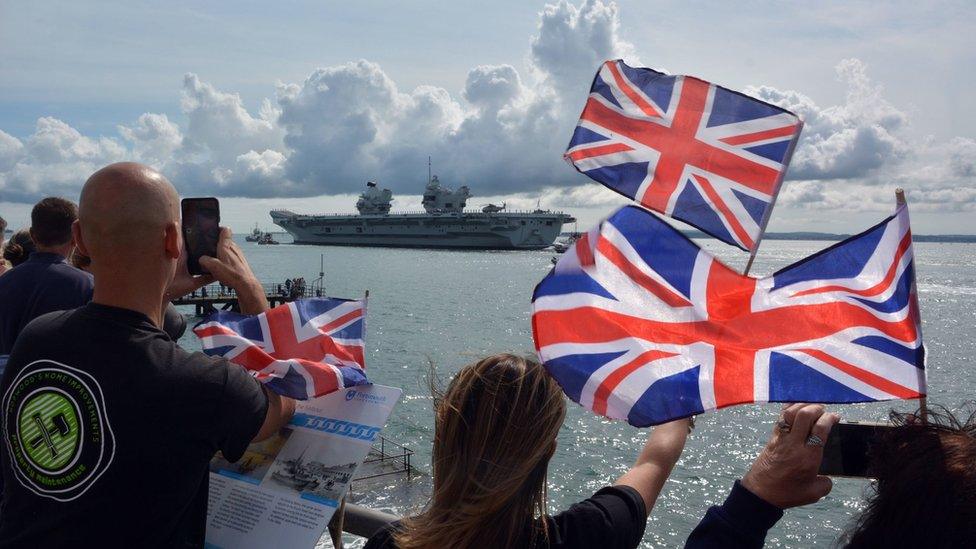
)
(442, 224)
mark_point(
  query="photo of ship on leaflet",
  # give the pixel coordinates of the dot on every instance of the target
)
(314, 469)
(255, 462)
(443, 224)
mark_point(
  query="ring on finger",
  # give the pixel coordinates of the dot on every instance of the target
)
(814, 440)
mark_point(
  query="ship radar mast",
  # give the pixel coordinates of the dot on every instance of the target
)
(439, 200)
(374, 201)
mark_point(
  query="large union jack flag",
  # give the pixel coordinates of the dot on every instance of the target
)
(638, 323)
(304, 349)
(687, 148)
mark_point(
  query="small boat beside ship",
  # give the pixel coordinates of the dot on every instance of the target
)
(560, 246)
(267, 239)
(255, 235)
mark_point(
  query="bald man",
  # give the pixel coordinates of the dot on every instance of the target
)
(109, 425)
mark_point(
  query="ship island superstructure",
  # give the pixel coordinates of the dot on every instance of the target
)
(444, 223)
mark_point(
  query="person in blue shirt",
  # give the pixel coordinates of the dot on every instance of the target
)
(45, 282)
(3, 235)
(923, 493)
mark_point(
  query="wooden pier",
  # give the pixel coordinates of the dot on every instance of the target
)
(213, 297)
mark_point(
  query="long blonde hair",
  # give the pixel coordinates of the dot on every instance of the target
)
(495, 431)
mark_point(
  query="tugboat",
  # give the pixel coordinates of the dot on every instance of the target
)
(267, 239)
(255, 235)
(562, 246)
(443, 224)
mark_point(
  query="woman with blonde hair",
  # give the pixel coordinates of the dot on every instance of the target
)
(494, 434)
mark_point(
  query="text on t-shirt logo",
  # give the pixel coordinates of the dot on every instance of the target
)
(56, 430)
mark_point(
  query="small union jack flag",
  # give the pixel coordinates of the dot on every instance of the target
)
(687, 148)
(638, 323)
(304, 349)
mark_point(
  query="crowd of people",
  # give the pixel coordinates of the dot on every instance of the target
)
(121, 422)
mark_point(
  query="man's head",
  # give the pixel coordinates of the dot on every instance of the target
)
(128, 224)
(51, 221)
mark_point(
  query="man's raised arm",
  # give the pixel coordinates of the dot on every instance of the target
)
(231, 268)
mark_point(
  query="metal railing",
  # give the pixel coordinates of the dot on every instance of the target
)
(385, 458)
(219, 291)
(388, 456)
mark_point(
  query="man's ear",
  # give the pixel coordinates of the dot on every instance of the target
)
(173, 241)
(79, 240)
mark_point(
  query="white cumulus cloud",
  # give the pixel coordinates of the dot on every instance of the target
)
(503, 134)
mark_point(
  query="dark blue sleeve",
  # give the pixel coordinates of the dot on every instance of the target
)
(742, 521)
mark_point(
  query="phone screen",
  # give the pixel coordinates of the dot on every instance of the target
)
(846, 449)
(201, 230)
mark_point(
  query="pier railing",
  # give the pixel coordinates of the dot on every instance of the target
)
(209, 298)
(386, 458)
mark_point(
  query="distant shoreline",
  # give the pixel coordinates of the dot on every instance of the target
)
(943, 238)
(832, 237)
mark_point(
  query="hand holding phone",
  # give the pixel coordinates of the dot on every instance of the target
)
(846, 452)
(201, 230)
(785, 472)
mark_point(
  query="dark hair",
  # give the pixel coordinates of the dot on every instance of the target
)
(494, 432)
(925, 495)
(18, 248)
(79, 260)
(51, 221)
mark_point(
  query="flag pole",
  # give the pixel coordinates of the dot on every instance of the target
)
(923, 400)
(769, 210)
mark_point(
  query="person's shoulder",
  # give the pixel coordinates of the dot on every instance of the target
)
(200, 374)
(383, 538)
(74, 273)
(40, 333)
(612, 496)
(614, 516)
(193, 363)
(47, 323)
(13, 276)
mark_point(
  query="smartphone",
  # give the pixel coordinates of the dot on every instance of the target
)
(846, 450)
(201, 230)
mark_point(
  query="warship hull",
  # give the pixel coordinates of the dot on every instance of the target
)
(470, 230)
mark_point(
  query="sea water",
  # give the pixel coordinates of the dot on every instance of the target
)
(449, 308)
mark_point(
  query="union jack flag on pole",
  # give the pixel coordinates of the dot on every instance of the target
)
(638, 323)
(697, 152)
(304, 349)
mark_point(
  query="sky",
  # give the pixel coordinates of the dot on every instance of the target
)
(296, 104)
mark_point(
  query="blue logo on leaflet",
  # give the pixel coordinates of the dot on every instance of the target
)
(336, 427)
(367, 398)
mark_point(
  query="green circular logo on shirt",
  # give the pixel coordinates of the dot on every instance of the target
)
(56, 430)
(49, 429)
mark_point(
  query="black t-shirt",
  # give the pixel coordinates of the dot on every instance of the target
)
(613, 518)
(108, 429)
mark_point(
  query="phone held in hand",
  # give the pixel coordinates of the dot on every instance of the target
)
(846, 450)
(201, 230)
